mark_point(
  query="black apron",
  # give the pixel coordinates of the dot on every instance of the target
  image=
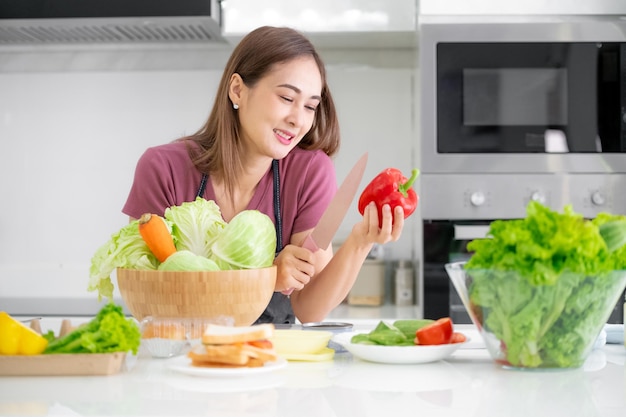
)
(279, 310)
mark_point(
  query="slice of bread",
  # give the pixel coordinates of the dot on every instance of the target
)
(264, 355)
(215, 334)
(233, 355)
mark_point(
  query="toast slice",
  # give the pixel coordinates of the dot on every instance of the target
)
(234, 355)
(227, 346)
(215, 334)
(224, 354)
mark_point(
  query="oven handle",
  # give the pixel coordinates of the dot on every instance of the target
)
(470, 232)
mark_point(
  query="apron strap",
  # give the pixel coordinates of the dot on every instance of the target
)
(202, 186)
(277, 212)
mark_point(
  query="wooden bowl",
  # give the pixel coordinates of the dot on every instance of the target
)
(241, 294)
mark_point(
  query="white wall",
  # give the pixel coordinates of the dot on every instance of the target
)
(69, 141)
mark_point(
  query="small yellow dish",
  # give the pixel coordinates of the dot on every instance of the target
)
(326, 354)
(299, 342)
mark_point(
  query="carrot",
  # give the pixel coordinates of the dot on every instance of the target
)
(157, 236)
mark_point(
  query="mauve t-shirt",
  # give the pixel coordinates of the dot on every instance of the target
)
(165, 176)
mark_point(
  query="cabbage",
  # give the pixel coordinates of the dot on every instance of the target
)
(195, 225)
(184, 260)
(248, 241)
(125, 249)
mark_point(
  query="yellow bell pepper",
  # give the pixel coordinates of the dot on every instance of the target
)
(19, 339)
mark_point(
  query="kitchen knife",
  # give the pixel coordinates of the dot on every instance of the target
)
(323, 233)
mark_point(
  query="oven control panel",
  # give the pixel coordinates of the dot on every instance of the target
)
(502, 196)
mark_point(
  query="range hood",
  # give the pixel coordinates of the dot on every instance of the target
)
(75, 22)
(380, 24)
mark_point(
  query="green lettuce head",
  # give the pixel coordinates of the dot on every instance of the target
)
(184, 260)
(247, 242)
(195, 225)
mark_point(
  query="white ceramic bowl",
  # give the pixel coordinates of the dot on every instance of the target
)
(396, 354)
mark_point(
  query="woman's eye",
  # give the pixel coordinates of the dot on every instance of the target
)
(288, 99)
(312, 108)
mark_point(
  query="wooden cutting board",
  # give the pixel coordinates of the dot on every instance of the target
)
(62, 364)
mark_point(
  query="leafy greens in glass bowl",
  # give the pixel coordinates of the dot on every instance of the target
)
(540, 289)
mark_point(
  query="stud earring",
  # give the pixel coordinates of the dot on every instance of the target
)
(235, 106)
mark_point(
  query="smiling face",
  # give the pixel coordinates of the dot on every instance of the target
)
(279, 109)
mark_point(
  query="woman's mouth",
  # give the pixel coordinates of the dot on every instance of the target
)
(284, 137)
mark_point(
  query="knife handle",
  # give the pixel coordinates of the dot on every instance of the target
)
(310, 244)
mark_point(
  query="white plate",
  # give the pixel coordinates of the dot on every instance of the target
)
(183, 364)
(396, 354)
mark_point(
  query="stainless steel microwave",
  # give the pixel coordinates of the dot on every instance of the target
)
(531, 97)
(548, 92)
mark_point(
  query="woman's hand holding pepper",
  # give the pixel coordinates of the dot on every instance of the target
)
(369, 232)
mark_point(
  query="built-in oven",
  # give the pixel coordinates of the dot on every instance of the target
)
(514, 109)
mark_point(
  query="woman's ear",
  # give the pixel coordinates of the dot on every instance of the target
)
(235, 86)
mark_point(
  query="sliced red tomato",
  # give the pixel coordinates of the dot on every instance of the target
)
(437, 333)
(263, 344)
(458, 338)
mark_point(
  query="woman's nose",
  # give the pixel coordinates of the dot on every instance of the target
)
(294, 118)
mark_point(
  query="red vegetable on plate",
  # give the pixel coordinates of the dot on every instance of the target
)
(393, 188)
(438, 333)
(458, 338)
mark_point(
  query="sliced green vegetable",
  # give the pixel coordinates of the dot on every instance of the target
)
(410, 327)
(362, 338)
(384, 334)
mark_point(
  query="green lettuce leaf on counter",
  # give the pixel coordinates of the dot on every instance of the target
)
(109, 331)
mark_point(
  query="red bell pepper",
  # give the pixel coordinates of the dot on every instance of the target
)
(393, 188)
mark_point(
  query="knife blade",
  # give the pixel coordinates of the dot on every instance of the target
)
(331, 219)
(323, 232)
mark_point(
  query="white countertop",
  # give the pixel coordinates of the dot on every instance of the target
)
(466, 384)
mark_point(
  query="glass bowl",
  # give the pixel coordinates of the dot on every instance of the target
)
(165, 337)
(534, 326)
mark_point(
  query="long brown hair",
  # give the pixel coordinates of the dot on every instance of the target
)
(219, 141)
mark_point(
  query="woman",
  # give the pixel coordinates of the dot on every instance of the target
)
(267, 145)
